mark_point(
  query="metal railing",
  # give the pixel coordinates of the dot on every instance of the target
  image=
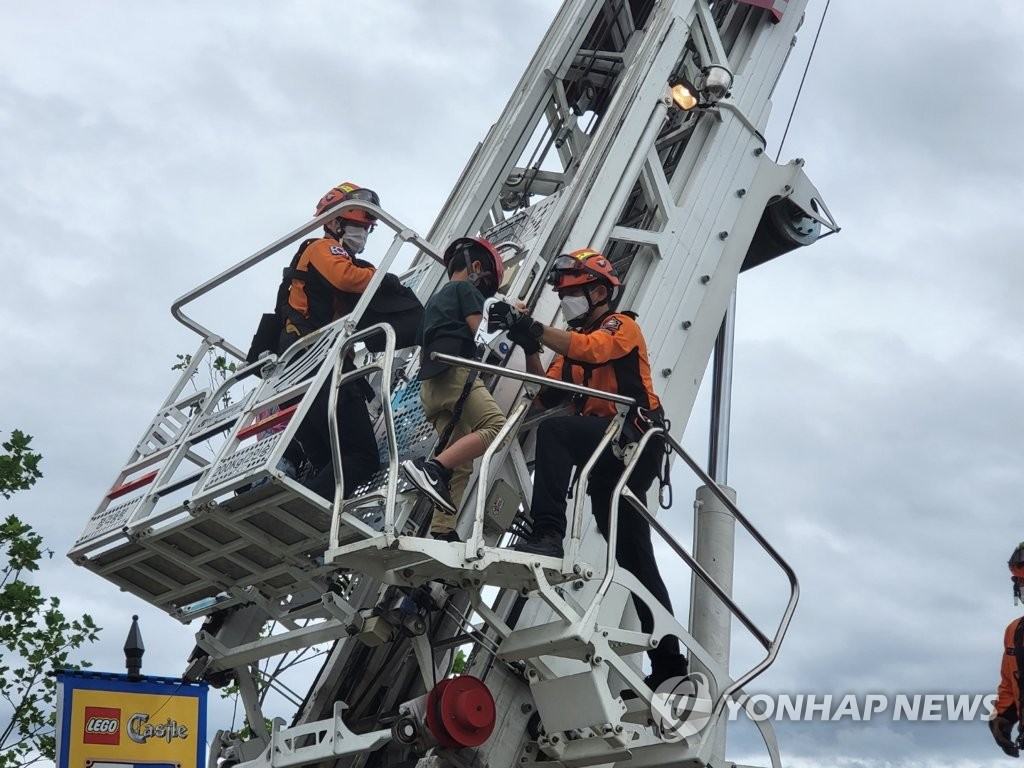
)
(402, 236)
(771, 645)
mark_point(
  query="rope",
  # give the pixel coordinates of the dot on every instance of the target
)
(802, 78)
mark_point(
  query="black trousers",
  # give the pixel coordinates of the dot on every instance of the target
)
(564, 442)
(360, 457)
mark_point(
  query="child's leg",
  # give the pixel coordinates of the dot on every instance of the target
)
(479, 424)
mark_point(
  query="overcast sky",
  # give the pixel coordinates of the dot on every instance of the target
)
(876, 416)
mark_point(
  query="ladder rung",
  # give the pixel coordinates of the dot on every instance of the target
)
(131, 485)
(180, 483)
(283, 416)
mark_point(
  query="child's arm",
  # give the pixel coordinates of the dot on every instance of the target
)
(473, 321)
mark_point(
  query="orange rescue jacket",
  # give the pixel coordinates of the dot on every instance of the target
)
(611, 356)
(328, 259)
(1008, 697)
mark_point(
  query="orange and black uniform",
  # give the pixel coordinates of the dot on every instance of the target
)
(327, 287)
(610, 355)
(1008, 696)
(331, 286)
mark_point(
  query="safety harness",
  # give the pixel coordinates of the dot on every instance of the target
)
(442, 441)
(638, 419)
(320, 294)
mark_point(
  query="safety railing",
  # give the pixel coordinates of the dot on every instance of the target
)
(512, 424)
(771, 645)
(621, 490)
(402, 236)
(385, 365)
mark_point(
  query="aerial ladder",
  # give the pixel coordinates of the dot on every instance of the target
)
(636, 130)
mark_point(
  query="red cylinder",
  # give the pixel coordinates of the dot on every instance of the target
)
(460, 712)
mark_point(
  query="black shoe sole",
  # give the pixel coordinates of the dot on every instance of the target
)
(419, 479)
(529, 549)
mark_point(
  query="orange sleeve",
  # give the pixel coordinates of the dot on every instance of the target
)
(333, 262)
(617, 336)
(1006, 697)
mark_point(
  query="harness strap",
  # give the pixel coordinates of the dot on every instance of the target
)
(442, 441)
(656, 417)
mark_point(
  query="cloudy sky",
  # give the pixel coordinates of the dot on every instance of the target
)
(876, 418)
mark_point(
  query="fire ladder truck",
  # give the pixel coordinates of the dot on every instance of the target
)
(635, 130)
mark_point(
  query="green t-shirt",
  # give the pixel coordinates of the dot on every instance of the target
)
(444, 326)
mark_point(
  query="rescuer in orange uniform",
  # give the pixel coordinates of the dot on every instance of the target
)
(1008, 703)
(603, 350)
(326, 282)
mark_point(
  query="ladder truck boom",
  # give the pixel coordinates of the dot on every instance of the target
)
(635, 130)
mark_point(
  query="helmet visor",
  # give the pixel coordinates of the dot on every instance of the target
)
(359, 216)
(572, 265)
(366, 195)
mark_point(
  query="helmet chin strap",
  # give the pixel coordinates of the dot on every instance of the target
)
(480, 280)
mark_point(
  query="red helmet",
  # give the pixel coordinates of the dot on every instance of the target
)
(583, 267)
(349, 191)
(463, 251)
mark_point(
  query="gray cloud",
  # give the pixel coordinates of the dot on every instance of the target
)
(876, 413)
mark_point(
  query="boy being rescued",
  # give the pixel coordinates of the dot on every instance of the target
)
(454, 400)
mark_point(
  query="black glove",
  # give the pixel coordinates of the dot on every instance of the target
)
(525, 340)
(1002, 732)
(502, 316)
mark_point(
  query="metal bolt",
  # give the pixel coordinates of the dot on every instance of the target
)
(723, 235)
(479, 551)
(758, 151)
(578, 584)
(577, 569)
(740, 192)
(619, 729)
(666, 371)
(705, 279)
(787, 188)
(526, 708)
(686, 325)
(407, 573)
(598, 660)
(604, 634)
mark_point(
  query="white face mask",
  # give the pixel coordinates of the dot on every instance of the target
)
(574, 307)
(354, 239)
